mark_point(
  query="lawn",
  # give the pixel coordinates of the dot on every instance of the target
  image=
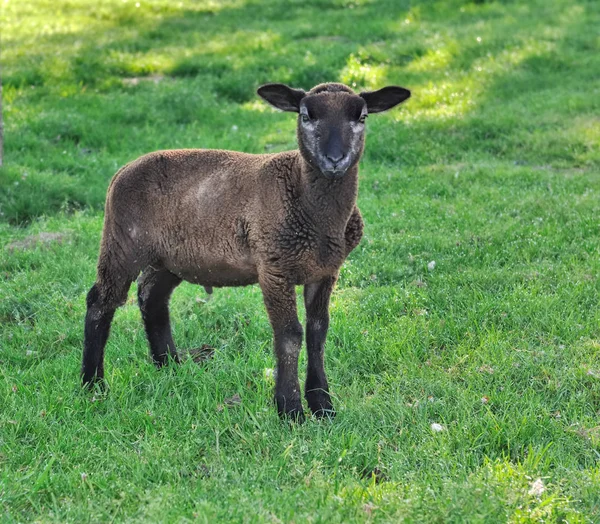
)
(464, 350)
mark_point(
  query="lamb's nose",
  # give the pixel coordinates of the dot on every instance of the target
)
(335, 158)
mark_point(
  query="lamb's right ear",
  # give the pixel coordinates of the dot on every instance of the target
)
(281, 96)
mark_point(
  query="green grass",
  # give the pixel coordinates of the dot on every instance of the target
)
(492, 170)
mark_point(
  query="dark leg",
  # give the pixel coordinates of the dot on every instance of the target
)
(316, 391)
(280, 301)
(154, 290)
(118, 265)
(102, 301)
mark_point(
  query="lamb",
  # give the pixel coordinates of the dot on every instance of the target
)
(222, 218)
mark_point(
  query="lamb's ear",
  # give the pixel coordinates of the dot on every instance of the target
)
(281, 96)
(385, 98)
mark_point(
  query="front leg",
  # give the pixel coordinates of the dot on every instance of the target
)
(316, 299)
(280, 301)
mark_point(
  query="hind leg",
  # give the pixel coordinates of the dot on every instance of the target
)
(154, 290)
(102, 301)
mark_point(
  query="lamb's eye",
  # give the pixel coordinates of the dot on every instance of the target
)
(305, 118)
(362, 119)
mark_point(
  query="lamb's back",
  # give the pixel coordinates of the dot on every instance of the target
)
(193, 210)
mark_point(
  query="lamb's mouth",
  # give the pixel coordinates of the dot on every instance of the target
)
(333, 173)
(335, 170)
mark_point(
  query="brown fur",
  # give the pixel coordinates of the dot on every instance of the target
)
(223, 218)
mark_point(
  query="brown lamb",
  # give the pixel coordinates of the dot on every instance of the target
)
(224, 218)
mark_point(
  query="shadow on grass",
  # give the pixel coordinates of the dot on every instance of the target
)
(251, 42)
(489, 83)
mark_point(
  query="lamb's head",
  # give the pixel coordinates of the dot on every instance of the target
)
(331, 120)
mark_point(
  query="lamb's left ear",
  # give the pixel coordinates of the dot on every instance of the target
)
(385, 98)
(281, 96)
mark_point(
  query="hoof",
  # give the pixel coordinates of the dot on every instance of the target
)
(290, 409)
(319, 402)
(93, 382)
(296, 416)
(165, 359)
(324, 413)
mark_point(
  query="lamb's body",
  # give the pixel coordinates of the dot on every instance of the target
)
(223, 218)
(220, 218)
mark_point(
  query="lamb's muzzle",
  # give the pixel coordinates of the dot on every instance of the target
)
(222, 218)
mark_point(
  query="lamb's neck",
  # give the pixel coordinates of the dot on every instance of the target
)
(328, 200)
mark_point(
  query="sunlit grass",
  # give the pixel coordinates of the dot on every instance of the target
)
(366, 75)
(467, 390)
